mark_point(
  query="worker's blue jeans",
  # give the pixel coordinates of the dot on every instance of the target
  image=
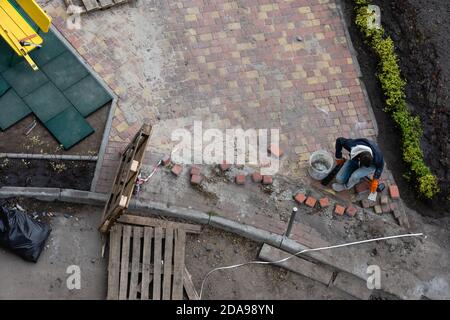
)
(350, 174)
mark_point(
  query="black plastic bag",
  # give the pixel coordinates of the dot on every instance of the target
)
(21, 234)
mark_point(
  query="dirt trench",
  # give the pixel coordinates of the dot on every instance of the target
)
(421, 32)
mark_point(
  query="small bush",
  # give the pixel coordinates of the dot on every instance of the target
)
(393, 85)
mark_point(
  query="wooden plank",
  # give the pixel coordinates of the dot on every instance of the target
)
(91, 5)
(123, 288)
(296, 264)
(146, 257)
(168, 252)
(178, 268)
(152, 222)
(106, 3)
(189, 286)
(157, 265)
(135, 262)
(115, 239)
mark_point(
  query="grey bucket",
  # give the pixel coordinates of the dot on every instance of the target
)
(320, 164)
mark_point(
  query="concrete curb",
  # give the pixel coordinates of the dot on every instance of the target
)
(48, 157)
(99, 199)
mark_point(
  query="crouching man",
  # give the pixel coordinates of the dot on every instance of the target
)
(365, 159)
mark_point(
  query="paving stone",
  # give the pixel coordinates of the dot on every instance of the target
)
(300, 197)
(224, 166)
(196, 179)
(267, 180)
(324, 202)
(275, 151)
(177, 169)
(339, 210)
(362, 187)
(394, 192)
(195, 171)
(351, 211)
(378, 210)
(240, 179)
(166, 160)
(311, 202)
(384, 199)
(257, 177)
(386, 208)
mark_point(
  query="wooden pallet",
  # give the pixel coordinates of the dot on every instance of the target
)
(93, 5)
(147, 263)
(125, 180)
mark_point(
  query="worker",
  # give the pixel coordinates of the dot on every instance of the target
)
(365, 159)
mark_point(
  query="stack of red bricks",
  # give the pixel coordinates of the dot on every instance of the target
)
(387, 200)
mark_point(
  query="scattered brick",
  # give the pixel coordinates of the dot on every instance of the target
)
(195, 171)
(196, 179)
(300, 197)
(386, 208)
(177, 169)
(351, 211)
(240, 179)
(384, 199)
(257, 177)
(362, 187)
(225, 166)
(378, 209)
(267, 179)
(365, 203)
(394, 192)
(393, 206)
(324, 202)
(276, 151)
(339, 210)
(166, 160)
(311, 202)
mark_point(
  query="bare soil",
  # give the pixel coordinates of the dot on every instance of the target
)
(14, 140)
(47, 173)
(421, 32)
(215, 248)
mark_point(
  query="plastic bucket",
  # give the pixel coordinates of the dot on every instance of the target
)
(320, 164)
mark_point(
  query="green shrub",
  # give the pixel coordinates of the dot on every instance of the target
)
(393, 85)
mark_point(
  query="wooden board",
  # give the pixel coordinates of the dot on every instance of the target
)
(125, 179)
(148, 263)
(93, 5)
(152, 222)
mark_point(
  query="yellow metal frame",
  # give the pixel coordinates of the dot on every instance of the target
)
(16, 30)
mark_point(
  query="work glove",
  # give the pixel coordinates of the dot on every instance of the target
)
(340, 161)
(373, 185)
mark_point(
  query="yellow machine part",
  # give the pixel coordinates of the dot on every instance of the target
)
(15, 30)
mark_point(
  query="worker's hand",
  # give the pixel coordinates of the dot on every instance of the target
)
(373, 185)
(340, 161)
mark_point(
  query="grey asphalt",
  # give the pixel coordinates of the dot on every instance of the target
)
(74, 241)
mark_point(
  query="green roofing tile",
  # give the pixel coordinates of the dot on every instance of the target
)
(69, 127)
(87, 95)
(12, 109)
(51, 48)
(47, 101)
(65, 70)
(4, 86)
(23, 79)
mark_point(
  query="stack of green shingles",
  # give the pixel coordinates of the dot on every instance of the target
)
(61, 94)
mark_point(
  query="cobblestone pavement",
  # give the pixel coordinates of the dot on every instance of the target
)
(238, 64)
(247, 64)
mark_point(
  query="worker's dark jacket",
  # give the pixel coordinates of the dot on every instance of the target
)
(348, 144)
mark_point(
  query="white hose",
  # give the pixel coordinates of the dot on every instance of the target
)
(303, 251)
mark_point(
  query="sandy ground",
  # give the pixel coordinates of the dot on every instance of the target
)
(75, 241)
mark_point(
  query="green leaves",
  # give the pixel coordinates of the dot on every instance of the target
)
(393, 85)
